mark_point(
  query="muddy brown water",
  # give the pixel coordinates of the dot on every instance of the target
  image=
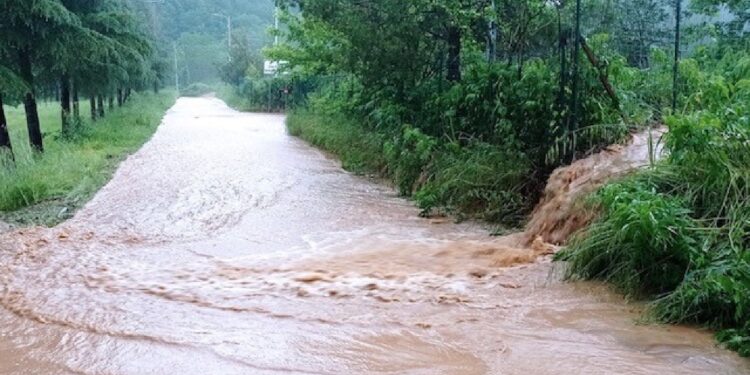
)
(224, 246)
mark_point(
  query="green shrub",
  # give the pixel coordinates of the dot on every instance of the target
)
(408, 156)
(643, 243)
(480, 180)
(680, 233)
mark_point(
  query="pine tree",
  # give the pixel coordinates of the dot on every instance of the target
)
(31, 32)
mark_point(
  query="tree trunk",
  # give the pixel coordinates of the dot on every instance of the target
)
(29, 102)
(76, 105)
(111, 101)
(454, 54)
(156, 87)
(100, 105)
(5, 145)
(94, 112)
(119, 97)
(65, 104)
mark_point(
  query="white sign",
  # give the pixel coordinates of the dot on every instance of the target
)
(271, 68)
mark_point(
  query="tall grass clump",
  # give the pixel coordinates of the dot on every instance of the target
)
(48, 188)
(480, 180)
(679, 233)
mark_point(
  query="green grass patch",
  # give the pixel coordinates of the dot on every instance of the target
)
(47, 189)
(233, 99)
(679, 234)
(360, 151)
(477, 180)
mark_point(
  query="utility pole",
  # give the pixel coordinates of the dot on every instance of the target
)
(676, 67)
(229, 33)
(176, 69)
(276, 27)
(576, 59)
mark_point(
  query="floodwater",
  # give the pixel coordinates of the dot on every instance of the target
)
(224, 246)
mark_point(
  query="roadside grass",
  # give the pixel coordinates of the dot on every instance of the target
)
(478, 181)
(679, 233)
(230, 96)
(47, 189)
(359, 150)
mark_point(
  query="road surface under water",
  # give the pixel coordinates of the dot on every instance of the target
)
(224, 246)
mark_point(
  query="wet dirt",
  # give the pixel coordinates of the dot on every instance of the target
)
(562, 210)
(224, 246)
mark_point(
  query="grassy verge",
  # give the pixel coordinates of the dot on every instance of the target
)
(360, 151)
(230, 96)
(679, 234)
(47, 189)
(477, 180)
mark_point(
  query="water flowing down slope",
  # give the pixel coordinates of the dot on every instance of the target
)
(224, 246)
(561, 213)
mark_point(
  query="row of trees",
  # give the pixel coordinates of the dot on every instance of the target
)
(401, 52)
(407, 54)
(68, 49)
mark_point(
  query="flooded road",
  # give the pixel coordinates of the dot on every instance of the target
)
(224, 246)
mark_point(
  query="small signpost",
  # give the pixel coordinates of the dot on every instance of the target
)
(271, 68)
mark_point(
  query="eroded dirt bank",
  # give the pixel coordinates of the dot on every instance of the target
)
(227, 247)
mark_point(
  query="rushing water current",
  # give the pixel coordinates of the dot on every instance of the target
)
(225, 246)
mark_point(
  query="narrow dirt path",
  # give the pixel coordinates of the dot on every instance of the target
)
(224, 246)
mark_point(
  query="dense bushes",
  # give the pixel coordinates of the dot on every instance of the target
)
(479, 148)
(270, 94)
(680, 232)
(480, 180)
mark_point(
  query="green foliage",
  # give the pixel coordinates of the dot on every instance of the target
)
(199, 56)
(270, 94)
(408, 155)
(479, 180)
(47, 189)
(360, 151)
(243, 62)
(197, 30)
(643, 242)
(681, 231)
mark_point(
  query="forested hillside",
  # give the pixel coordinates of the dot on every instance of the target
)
(196, 31)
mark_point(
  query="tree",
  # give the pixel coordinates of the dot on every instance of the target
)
(10, 83)
(31, 29)
(118, 51)
(732, 27)
(242, 60)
